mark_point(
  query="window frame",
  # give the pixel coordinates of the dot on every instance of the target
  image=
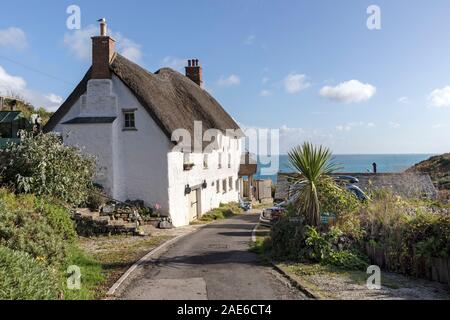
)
(131, 122)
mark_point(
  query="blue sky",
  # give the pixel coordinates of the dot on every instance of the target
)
(309, 68)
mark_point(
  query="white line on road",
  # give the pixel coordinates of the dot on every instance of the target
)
(254, 232)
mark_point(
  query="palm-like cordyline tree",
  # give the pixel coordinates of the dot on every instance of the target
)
(313, 165)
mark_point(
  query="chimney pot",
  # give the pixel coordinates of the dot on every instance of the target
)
(194, 72)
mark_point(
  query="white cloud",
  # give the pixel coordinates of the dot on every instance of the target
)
(394, 125)
(343, 128)
(264, 80)
(229, 81)
(352, 91)
(250, 40)
(53, 98)
(15, 85)
(13, 38)
(174, 63)
(351, 125)
(295, 83)
(440, 97)
(80, 44)
(438, 126)
(265, 93)
(403, 100)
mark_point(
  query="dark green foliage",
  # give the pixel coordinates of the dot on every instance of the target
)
(24, 278)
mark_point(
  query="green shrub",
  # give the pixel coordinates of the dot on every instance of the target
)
(287, 238)
(293, 241)
(95, 199)
(35, 226)
(43, 165)
(404, 230)
(24, 278)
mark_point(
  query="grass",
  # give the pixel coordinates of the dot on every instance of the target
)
(225, 211)
(103, 260)
(91, 275)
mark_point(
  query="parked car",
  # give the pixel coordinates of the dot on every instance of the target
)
(245, 205)
(269, 216)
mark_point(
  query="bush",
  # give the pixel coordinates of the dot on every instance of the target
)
(404, 231)
(35, 226)
(95, 199)
(287, 239)
(43, 165)
(296, 242)
(23, 277)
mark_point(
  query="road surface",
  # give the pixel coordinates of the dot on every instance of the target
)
(212, 263)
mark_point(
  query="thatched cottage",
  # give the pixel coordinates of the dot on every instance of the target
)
(131, 119)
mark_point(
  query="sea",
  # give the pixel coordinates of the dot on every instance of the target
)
(357, 163)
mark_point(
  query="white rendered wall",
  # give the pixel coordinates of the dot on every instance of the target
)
(210, 199)
(142, 154)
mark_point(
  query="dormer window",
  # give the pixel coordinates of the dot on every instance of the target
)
(129, 119)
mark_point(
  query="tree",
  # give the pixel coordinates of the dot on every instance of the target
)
(313, 165)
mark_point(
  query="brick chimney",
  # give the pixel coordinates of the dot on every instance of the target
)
(103, 48)
(194, 72)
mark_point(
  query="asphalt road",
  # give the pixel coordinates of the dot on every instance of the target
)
(212, 263)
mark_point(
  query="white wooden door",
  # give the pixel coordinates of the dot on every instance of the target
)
(193, 205)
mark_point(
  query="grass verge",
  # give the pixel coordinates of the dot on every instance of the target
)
(225, 211)
(103, 260)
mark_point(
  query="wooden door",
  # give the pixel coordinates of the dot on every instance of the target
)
(193, 205)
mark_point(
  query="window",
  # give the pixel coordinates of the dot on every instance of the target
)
(186, 158)
(205, 161)
(230, 183)
(224, 185)
(218, 186)
(237, 184)
(220, 161)
(187, 162)
(129, 119)
(229, 160)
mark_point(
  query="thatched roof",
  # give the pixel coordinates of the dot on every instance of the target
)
(170, 98)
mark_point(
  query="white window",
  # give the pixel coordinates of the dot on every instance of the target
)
(129, 119)
(224, 185)
(230, 183)
(205, 161)
(218, 186)
(229, 160)
(220, 161)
